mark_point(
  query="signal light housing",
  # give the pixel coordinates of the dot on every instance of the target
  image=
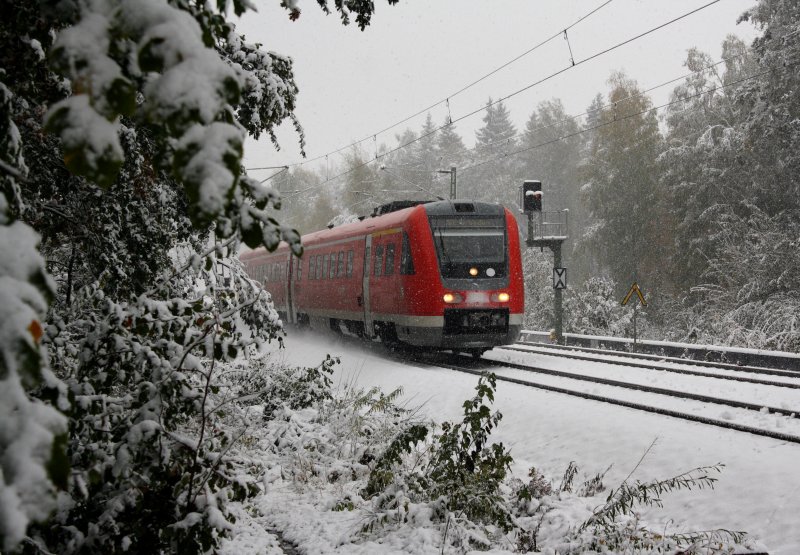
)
(531, 194)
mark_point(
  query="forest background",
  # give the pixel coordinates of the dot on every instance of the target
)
(681, 198)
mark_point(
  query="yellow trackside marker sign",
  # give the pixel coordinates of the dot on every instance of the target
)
(634, 289)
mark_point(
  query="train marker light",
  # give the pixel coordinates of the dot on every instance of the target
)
(473, 271)
(501, 297)
(451, 298)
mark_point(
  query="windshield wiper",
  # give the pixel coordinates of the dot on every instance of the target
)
(442, 249)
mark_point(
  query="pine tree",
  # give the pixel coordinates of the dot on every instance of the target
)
(555, 161)
(450, 146)
(621, 194)
(496, 178)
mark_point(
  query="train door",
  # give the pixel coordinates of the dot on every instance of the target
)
(290, 278)
(368, 324)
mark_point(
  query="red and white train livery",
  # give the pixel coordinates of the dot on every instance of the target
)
(444, 275)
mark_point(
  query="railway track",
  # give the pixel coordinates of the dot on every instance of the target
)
(574, 349)
(713, 354)
(640, 361)
(576, 383)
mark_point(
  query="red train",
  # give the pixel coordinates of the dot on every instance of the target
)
(445, 275)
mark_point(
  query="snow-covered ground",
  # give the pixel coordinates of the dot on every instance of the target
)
(761, 395)
(758, 492)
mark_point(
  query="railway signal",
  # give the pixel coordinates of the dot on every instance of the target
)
(547, 234)
(531, 196)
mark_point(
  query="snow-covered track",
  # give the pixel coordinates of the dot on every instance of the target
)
(598, 355)
(794, 413)
(464, 364)
(733, 356)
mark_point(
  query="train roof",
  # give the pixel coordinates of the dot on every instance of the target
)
(389, 220)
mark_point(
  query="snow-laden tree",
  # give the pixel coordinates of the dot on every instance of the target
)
(307, 201)
(32, 434)
(552, 160)
(450, 146)
(362, 182)
(621, 193)
(594, 309)
(131, 115)
(696, 181)
(734, 174)
(496, 178)
(553, 157)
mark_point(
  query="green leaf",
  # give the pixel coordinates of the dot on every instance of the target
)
(121, 96)
(58, 466)
(149, 58)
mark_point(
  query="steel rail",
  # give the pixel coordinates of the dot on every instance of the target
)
(647, 388)
(787, 362)
(619, 402)
(561, 354)
(687, 361)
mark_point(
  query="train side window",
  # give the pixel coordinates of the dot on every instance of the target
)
(299, 264)
(389, 259)
(349, 263)
(325, 266)
(378, 269)
(332, 272)
(311, 266)
(406, 261)
(319, 266)
(340, 269)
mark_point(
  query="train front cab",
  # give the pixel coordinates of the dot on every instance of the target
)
(466, 290)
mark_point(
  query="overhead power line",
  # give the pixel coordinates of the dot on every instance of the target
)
(461, 90)
(528, 87)
(632, 96)
(619, 119)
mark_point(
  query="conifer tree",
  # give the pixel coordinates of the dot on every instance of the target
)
(622, 195)
(450, 146)
(495, 179)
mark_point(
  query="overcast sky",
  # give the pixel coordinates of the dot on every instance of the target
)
(354, 84)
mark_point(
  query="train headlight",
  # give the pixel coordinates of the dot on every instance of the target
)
(451, 298)
(501, 297)
(473, 271)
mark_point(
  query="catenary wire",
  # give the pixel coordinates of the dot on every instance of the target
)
(625, 99)
(620, 118)
(528, 87)
(461, 90)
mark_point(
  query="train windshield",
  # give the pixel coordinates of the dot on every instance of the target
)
(470, 247)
